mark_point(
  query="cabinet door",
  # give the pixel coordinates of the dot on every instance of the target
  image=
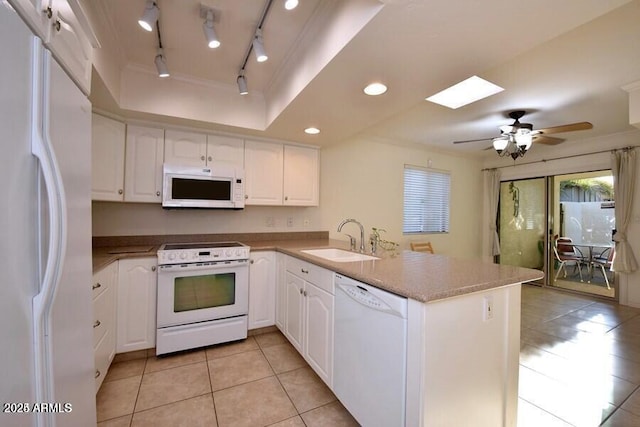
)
(185, 148)
(34, 12)
(262, 289)
(263, 173)
(300, 176)
(224, 150)
(136, 308)
(104, 319)
(318, 343)
(70, 44)
(143, 164)
(281, 308)
(294, 287)
(107, 159)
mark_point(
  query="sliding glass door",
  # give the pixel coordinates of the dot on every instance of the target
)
(522, 223)
(561, 225)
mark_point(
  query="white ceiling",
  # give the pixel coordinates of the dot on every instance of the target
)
(563, 62)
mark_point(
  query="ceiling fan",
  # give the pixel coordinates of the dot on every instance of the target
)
(515, 139)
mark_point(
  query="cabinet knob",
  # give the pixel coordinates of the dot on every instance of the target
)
(96, 286)
(251, 262)
(209, 158)
(153, 268)
(201, 157)
(301, 291)
(49, 12)
(305, 293)
(158, 193)
(96, 324)
(246, 196)
(120, 191)
(286, 197)
(97, 374)
(57, 25)
(304, 271)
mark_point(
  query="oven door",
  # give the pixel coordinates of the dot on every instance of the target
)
(190, 293)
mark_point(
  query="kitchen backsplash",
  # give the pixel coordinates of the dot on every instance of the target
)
(133, 219)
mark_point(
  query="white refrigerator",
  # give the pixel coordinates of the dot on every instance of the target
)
(46, 337)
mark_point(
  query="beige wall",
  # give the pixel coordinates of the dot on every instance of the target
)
(363, 179)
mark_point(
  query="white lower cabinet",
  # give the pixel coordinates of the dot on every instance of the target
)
(262, 289)
(136, 314)
(104, 319)
(308, 314)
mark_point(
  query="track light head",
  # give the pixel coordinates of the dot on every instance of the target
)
(150, 15)
(161, 64)
(258, 47)
(242, 85)
(209, 32)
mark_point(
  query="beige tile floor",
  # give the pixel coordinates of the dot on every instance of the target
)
(579, 366)
(261, 381)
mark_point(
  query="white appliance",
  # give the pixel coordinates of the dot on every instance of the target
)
(221, 187)
(45, 224)
(203, 294)
(370, 353)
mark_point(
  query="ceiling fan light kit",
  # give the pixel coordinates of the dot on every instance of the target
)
(516, 139)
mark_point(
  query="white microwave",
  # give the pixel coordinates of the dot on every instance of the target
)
(219, 187)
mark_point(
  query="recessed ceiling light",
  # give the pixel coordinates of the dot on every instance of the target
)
(290, 4)
(465, 92)
(375, 89)
(312, 131)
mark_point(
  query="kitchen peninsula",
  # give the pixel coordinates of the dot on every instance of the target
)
(463, 321)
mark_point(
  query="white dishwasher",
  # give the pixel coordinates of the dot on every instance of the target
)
(370, 353)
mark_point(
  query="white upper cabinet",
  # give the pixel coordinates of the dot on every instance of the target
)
(36, 14)
(69, 42)
(225, 150)
(185, 148)
(107, 159)
(263, 163)
(143, 166)
(200, 150)
(301, 176)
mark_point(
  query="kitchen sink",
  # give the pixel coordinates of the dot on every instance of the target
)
(339, 255)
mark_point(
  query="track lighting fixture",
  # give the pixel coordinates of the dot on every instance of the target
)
(161, 64)
(209, 32)
(150, 15)
(258, 46)
(290, 4)
(242, 85)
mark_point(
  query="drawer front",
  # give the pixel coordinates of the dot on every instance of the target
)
(104, 314)
(103, 355)
(104, 279)
(321, 277)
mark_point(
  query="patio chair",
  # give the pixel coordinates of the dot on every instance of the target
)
(603, 260)
(566, 253)
(422, 247)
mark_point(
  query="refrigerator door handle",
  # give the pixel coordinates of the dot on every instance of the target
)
(42, 149)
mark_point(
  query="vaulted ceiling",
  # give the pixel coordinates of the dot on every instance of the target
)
(563, 62)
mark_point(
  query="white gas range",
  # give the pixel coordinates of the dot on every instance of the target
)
(203, 294)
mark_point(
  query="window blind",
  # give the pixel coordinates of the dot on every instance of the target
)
(426, 200)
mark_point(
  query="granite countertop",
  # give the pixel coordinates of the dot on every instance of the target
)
(420, 276)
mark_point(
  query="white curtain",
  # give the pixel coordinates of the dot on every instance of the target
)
(492, 181)
(623, 164)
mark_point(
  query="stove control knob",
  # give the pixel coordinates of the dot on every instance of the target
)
(238, 252)
(172, 256)
(227, 252)
(183, 255)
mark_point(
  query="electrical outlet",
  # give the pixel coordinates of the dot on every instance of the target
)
(307, 222)
(487, 305)
(271, 222)
(290, 222)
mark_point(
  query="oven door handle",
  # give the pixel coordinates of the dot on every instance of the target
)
(195, 267)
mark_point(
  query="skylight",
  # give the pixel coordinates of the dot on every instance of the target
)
(467, 91)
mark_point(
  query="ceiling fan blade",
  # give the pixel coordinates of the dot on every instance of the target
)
(473, 140)
(567, 128)
(547, 140)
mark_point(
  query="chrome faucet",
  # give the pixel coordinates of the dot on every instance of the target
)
(353, 241)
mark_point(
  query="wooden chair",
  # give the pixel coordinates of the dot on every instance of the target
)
(422, 247)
